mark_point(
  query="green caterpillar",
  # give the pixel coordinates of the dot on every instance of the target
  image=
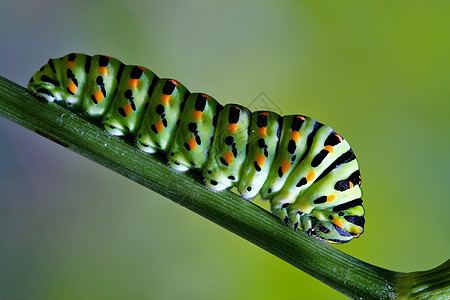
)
(307, 171)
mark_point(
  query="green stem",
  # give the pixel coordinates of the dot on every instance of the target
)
(340, 271)
(431, 284)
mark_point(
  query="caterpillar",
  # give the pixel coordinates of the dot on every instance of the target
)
(304, 168)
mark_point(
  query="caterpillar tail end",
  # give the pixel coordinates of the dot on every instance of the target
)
(42, 89)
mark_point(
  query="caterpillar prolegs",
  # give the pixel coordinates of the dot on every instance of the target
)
(307, 171)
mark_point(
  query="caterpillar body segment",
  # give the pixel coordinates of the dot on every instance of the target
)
(264, 135)
(307, 171)
(228, 150)
(157, 130)
(292, 146)
(126, 111)
(190, 149)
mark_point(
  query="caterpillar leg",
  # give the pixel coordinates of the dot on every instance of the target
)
(279, 206)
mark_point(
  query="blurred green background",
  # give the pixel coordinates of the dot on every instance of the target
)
(376, 71)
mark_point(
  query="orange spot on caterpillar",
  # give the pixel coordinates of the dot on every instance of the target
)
(174, 82)
(142, 68)
(229, 157)
(165, 99)
(72, 87)
(159, 126)
(300, 117)
(264, 113)
(127, 109)
(192, 143)
(310, 176)
(285, 166)
(262, 131)
(295, 135)
(329, 148)
(233, 127)
(350, 185)
(206, 96)
(197, 114)
(260, 158)
(331, 198)
(133, 82)
(98, 95)
(337, 222)
(102, 70)
(71, 64)
(339, 137)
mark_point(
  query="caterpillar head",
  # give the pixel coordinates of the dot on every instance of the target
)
(338, 226)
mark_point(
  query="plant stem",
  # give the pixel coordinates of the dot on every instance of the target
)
(340, 271)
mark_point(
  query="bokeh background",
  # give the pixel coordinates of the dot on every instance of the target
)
(376, 71)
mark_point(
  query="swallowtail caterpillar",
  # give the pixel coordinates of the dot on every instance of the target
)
(307, 171)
